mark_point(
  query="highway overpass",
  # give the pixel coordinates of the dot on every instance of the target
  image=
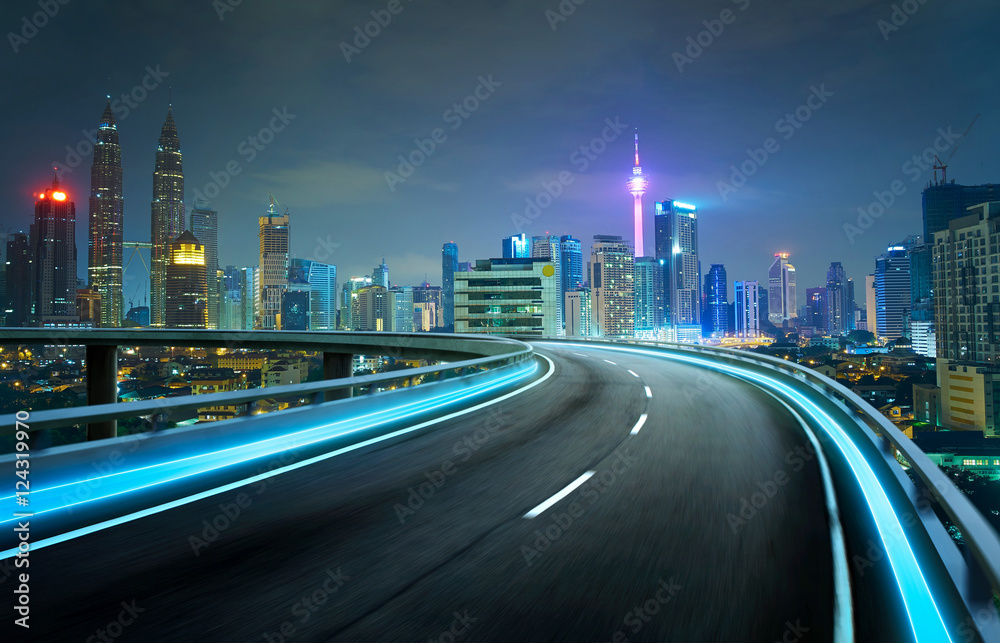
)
(562, 491)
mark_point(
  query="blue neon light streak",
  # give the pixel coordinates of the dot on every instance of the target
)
(924, 615)
(159, 473)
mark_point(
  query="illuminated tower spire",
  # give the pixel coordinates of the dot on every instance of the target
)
(167, 214)
(104, 238)
(637, 185)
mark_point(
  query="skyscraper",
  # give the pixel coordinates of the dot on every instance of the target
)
(236, 300)
(922, 329)
(167, 215)
(547, 247)
(839, 315)
(578, 311)
(571, 252)
(871, 305)
(966, 306)
(676, 239)
(428, 299)
(296, 300)
(374, 309)
(205, 228)
(53, 258)
(850, 305)
(380, 276)
(449, 264)
(816, 309)
(19, 280)
(186, 284)
(781, 290)
(322, 279)
(637, 186)
(403, 297)
(892, 291)
(349, 294)
(274, 264)
(104, 236)
(747, 296)
(648, 291)
(612, 284)
(944, 202)
(516, 247)
(716, 323)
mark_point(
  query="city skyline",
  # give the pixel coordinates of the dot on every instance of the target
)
(333, 178)
(390, 285)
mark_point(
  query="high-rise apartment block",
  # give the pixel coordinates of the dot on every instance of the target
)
(612, 287)
(104, 235)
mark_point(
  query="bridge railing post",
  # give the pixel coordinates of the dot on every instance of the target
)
(337, 366)
(102, 387)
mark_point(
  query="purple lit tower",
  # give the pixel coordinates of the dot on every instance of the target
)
(637, 185)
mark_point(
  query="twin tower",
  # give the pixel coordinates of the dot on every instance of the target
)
(104, 266)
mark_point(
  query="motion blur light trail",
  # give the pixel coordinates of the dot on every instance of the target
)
(159, 473)
(922, 610)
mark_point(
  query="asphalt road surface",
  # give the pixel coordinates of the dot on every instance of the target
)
(706, 524)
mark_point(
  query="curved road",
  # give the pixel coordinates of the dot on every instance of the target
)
(707, 524)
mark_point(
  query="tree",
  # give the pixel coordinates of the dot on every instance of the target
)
(861, 337)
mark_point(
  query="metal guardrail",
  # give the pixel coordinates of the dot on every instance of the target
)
(979, 535)
(495, 352)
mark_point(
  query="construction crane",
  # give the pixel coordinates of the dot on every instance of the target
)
(941, 165)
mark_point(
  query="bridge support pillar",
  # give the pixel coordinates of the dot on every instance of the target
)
(102, 387)
(337, 366)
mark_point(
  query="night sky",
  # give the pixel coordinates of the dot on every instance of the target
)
(551, 85)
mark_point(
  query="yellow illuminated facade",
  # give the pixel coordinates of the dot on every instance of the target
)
(186, 284)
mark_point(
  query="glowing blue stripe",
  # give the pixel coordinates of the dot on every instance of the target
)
(925, 617)
(258, 448)
(107, 524)
(226, 457)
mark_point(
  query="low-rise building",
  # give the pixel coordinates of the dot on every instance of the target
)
(205, 381)
(966, 450)
(508, 297)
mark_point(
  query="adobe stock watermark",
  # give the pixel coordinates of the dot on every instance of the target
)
(969, 628)
(642, 614)
(222, 7)
(899, 16)
(697, 44)
(788, 125)
(115, 627)
(230, 512)
(104, 467)
(248, 148)
(304, 608)
(324, 248)
(460, 626)
(38, 20)
(580, 159)
(749, 507)
(364, 34)
(794, 632)
(456, 115)
(436, 478)
(914, 169)
(121, 107)
(875, 552)
(564, 10)
(560, 522)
